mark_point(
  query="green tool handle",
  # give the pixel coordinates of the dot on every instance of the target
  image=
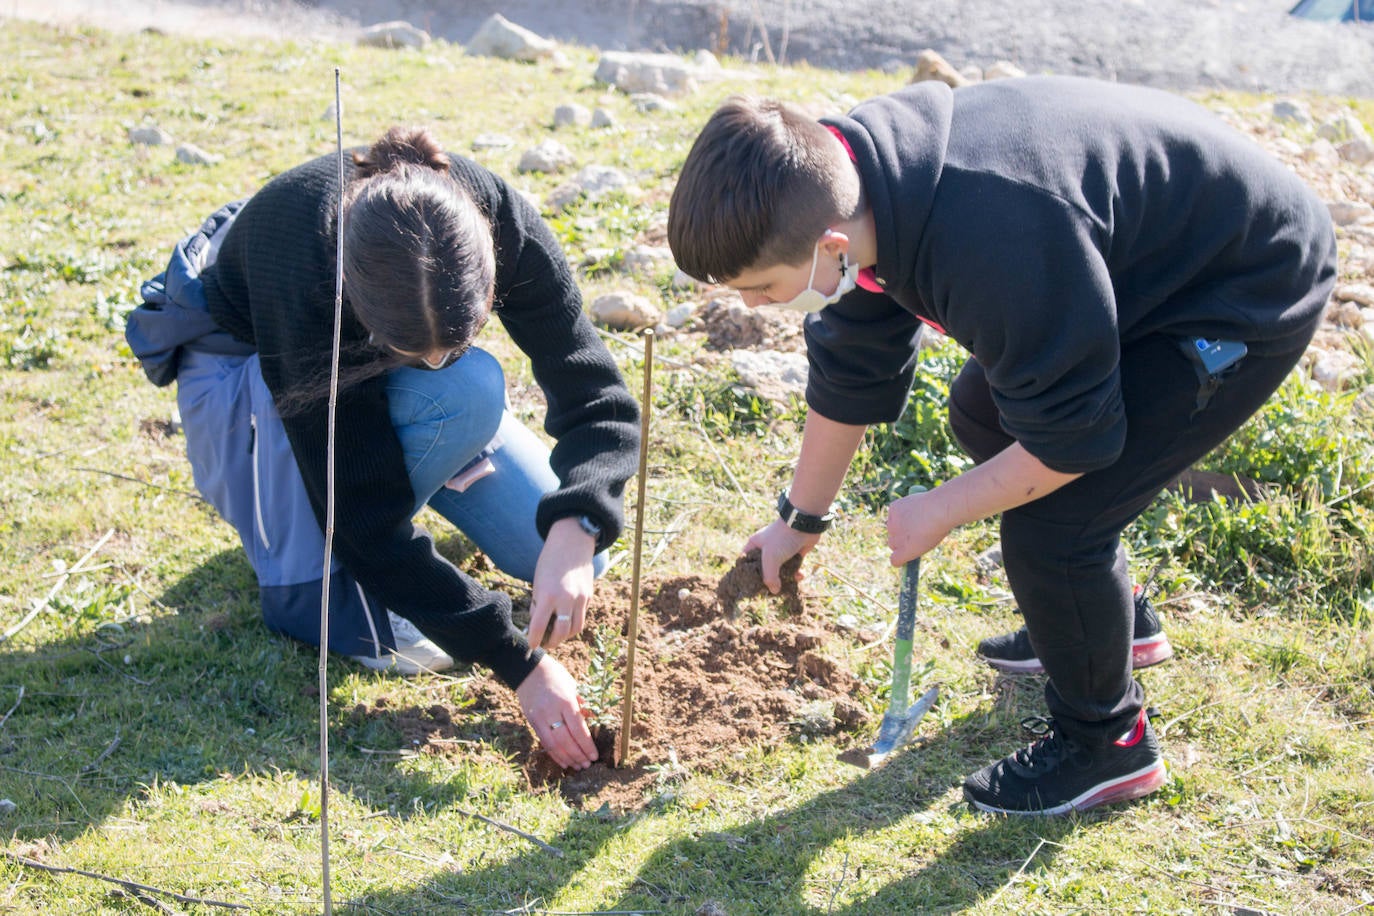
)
(906, 628)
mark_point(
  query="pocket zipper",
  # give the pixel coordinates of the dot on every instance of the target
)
(257, 483)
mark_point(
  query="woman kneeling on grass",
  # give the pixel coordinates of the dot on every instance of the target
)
(432, 245)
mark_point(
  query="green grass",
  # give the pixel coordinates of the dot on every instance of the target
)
(163, 736)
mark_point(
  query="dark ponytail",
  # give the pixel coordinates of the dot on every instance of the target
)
(419, 261)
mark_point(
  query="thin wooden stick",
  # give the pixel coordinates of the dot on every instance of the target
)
(552, 850)
(329, 500)
(6, 717)
(627, 708)
(130, 885)
(40, 608)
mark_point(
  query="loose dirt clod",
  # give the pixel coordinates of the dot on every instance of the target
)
(745, 580)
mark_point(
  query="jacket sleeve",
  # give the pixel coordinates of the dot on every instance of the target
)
(862, 354)
(591, 415)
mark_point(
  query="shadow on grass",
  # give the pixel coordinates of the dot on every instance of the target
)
(206, 693)
(202, 692)
(768, 865)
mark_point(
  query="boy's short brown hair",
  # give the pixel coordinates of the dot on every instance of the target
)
(760, 185)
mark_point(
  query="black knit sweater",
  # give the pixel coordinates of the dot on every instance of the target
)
(273, 287)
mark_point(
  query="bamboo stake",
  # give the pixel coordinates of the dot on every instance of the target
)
(628, 705)
(325, 882)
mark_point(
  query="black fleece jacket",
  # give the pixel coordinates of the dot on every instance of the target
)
(1047, 222)
(273, 287)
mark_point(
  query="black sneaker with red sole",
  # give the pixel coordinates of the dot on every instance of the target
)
(1058, 775)
(1012, 652)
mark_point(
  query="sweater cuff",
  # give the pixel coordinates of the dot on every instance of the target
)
(512, 660)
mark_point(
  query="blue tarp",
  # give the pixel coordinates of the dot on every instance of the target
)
(1335, 10)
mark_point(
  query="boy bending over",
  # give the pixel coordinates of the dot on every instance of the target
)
(1132, 280)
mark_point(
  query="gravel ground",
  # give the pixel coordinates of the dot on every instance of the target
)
(1176, 44)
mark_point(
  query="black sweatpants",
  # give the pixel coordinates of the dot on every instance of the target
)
(1063, 554)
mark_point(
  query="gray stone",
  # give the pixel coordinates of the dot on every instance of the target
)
(492, 141)
(394, 34)
(646, 259)
(499, 37)
(679, 315)
(7, 807)
(1290, 111)
(149, 135)
(1348, 212)
(549, 156)
(1342, 127)
(1359, 151)
(664, 74)
(191, 154)
(1361, 293)
(571, 114)
(776, 375)
(623, 311)
(602, 118)
(647, 102)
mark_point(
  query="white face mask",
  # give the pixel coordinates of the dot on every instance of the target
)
(813, 300)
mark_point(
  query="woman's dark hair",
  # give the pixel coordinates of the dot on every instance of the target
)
(418, 259)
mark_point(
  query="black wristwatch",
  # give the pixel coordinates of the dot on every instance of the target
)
(798, 520)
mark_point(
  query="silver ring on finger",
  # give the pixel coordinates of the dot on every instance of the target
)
(563, 618)
(554, 725)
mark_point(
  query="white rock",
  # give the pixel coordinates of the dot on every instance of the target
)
(646, 102)
(1362, 293)
(774, 374)
(1346, 314)
(931, 65)
(549, 156)
(1291, 111)
(971, 74)
(624, 311)
(646, 259)
(191, 154)
(704, 60)
(7, 807)
(571, 114)
(565, 195)
(1342, 127)
(596, 180)
(499, 37)
(664, 74)
(394, 34)
(1323, 153)
(1336, 369)
(1359, 151)
(679, 315)
(602, 118)
(149, 135)
(1003, 69)
(1348, 212)
(684, 280)
(492, 141)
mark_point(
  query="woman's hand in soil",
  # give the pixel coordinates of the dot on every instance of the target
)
(777, 544)
(563, 584)
(548, 697)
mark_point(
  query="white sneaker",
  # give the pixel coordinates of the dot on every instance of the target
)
(414, 652)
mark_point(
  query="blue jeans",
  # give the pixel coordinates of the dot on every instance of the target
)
(244, 466)
(445, 420)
